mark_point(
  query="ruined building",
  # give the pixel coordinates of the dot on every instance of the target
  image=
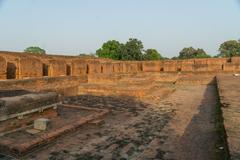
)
(67, 107)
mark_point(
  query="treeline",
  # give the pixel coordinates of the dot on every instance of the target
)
(133, 49)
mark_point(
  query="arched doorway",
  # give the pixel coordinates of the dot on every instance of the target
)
(11, 70)
(68, 70)
(87, 71)
(45, 70)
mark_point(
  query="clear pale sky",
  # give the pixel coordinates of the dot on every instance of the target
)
(81, 26)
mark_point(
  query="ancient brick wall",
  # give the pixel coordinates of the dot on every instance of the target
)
(117, 67)
(57, 68)
(187, 65)
(107, 68)
(132, 67)
(235, 60)
(3, 68)
(21, 65)
(170, 66)
(65, 85)
(151, 66)
(30, 67)
(94, 67)
(79, 67)
(12, 66)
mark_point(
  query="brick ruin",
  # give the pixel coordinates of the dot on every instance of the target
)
(90, 97)
(22, 66)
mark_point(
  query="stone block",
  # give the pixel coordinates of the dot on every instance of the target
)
(42, 124)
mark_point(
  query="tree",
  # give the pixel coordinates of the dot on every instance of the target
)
(132, 50)
(152, 54)
(110, 49)
(229, 49)
(190, 52)
(35, 50)
(174, 58)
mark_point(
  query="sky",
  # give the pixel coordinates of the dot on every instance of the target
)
(72, 27)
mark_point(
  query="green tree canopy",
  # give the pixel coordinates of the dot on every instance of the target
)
(132, 50)
(229, 49)
(174, 58)
(190, 52)
(152, 54)
(110, 49)
(35, 50)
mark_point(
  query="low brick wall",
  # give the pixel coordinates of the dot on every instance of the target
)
(63, 85)
(229, 93)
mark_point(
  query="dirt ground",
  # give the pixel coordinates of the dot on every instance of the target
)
(178, 127)
(191, 132)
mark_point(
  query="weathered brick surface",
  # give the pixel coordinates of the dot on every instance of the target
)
(235, 60)
(152, 66)
(63, 85)
(3, 68)
(94, 67)
(229, 92)
(107, 68)
(218, 61)
(79, 67)
(117, 67)
(30, 67)
(132, 67)
(231, 67)
(57, 68)
(170, 66)
(20, 149)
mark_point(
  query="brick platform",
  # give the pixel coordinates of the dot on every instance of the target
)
(229, 92)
